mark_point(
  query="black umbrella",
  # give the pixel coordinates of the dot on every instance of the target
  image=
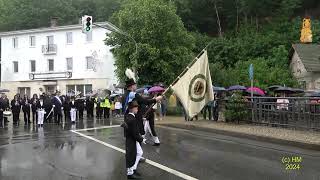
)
(314, 94)
(272, 88)
(288, 90)
(296, 90)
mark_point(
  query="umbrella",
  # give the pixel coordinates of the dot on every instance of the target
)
(314, 94)
(4, 90)
(237, 88)
(296, 90)
(216, 88)
(121, 85)
(256, 91)
(287, 90)
(147, 86)
(272, 88)
(156, 89)
(114, 95)
(140, 90)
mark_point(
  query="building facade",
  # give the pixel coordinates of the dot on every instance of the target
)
(305, 65)
(56, 58)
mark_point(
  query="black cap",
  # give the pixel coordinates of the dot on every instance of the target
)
(133, 104)
(130, 82)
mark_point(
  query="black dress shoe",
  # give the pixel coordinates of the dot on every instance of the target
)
(136, 173)
(142, 160)
(156, 144)
(133, 176)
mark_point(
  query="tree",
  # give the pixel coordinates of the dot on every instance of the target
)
(164, 45)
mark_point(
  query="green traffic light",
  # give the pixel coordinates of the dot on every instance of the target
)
(87, 28)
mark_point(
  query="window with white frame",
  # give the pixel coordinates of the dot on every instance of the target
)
(69, 37)
(15, 66)
(69, 64)
(32, 66)
(83, 88)
(50, 64)
(90, 62)
(15, 42)
(32, 41)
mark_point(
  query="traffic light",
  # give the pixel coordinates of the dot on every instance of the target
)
(86, 24)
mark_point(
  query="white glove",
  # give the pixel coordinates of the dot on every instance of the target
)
(61, 108)
(53, 105)
(144, 141)
(159, 98)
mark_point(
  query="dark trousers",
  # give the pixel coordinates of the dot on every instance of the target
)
(57, 116)
(66, 115)
(90, 112)
(15, 116)
(34, 117)
(1, 118)
(215, 111)
(106, 112)
(80, 113)
(151, 123)
(205, 109)
(26, 116)
(99, 112)
(48, 116)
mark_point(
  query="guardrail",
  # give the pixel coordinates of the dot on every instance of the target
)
(296, 112)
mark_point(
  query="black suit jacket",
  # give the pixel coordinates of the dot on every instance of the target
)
(132, 136)
(39, 106)
(73, 105)
(57, 103)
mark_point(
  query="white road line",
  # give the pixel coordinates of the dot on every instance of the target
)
(101, 127)
(155, 164)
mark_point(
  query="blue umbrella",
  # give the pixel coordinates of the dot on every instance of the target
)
(237, 88)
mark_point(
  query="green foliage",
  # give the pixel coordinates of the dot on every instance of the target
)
(26, 14)
(236, 108)
(164, 46)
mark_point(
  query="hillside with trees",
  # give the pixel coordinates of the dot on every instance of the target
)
(170, 32)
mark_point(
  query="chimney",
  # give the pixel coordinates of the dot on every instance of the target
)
(54, 22)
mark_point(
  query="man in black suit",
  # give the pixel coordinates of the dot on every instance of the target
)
(2, 108)
(133, 139)
(90, 106)
(80, 106)
(57, 104)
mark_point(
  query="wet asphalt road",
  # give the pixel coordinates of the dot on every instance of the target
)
(54, 152)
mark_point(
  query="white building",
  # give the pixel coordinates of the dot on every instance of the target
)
(56, 58)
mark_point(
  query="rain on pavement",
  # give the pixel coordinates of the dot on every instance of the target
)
(54, 152)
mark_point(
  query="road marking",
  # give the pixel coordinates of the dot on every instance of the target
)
(101, 127)
(155, 164)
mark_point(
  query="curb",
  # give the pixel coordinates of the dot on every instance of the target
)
(247, 136)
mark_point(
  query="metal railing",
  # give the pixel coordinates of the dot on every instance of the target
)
(295, 112)
(49, 49)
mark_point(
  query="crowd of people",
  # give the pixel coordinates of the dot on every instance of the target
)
(55, 108)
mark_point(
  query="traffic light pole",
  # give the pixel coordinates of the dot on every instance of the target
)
(111, 27)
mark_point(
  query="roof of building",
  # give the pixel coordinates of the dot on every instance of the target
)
(309, 55)
(46, 29)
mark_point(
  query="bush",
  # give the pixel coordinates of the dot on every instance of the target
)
(236, 108)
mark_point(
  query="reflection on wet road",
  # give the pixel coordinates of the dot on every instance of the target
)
(54, 152)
